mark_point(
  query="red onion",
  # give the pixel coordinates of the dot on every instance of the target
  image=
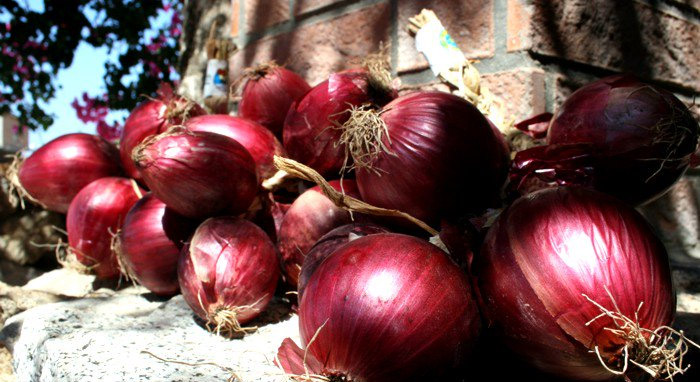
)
(57, 171)
(550, 258)
(198, 174)
(268, 94)
(228, 272)
(617, 135)
(311, 216)
(153, 117)
(434, 156)
(385, 307)
(149, 244)
(259, 141)
(95, 214)
(311, 130)
(326, 245)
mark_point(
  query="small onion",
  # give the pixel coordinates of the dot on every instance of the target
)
(616, 135)
(268, 93)
(326, 245)
(57, 171)
(386, 307)
(228, 272)
(198, 174)
(311, 216)
(439, 157)
(95, 214)
(550, 258)
(149, 245)
(153, 117)
(259, 141)
(311, 132)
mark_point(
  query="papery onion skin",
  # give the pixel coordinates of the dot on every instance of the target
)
(311, 129)
(328, 243)
(150, 243)
(393, 308)
(259, 141)
(311, 216)
(149, 118)
(58, 170)
(198, 174)
(446, 161)
(548, 249)
(640, 139)
(268, 94)
(95, 214)
(230, 263)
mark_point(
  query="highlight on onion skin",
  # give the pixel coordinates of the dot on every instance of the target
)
(329, 243)
(311, 216)
(259, 141)
(95, 214)
(386, 307)
(198, 174)
(443, 159)
(550, 258)
(269, 92)
(149, 244)
(228, 273)
(153, 117)
(616, 135)
(311, 129)
(58, 170)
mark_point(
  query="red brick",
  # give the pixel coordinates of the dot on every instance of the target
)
(469, 22)
(235, 9)
(518, 28)
(262, 14)
(522, 91)
(622, 36)
(304, 6)
(316, 50)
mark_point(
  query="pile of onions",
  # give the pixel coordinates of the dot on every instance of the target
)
(326, 245)
(311, 216)
(434, 155)
(268, 93)
(198, 174)
(311, 130)
(259, 141)
(384, 307)
(149, 245)
(228, 273)
(95, 214)
(57, 171)
(550, 258)
(617, 135)
(153, 117)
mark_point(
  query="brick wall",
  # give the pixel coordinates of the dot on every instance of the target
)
(532, 53)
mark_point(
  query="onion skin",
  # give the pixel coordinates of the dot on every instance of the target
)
(268, 94)
(149, 118)
(259, 141)
(637, 141)
(57, 171)
(329, 243)
(311, 130)
(198, 174)
(94, 215)
(395, 308)
(447, 159)
(230, 263)
(311, 216)
(539, 259)
(150, 243)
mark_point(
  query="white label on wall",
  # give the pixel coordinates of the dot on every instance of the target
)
(215, 79)
(439, 48)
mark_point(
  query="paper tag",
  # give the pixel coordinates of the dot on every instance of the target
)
(439, 48)
(215, 79)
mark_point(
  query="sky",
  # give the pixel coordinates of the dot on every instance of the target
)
(84, 75)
